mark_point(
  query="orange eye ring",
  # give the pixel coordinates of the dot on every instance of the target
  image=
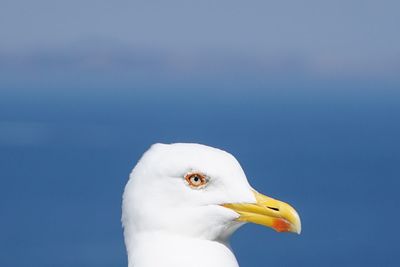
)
(195, 179)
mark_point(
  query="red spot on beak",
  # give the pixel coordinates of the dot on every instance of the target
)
(281, 225)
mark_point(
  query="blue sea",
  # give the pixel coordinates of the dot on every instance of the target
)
(332, 150)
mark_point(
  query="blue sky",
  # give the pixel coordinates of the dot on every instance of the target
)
(363, 27)
(339, 39)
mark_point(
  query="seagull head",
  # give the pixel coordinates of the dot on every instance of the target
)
(198, 191)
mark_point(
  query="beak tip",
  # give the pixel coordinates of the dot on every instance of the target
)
(298, 231)
(297, 223)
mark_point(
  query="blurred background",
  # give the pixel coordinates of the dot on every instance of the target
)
(306, 94)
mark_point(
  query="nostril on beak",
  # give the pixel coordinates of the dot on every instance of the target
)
(273, 208)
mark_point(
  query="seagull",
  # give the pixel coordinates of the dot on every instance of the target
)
(183, 201)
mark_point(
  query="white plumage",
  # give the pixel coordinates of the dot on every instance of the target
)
(170, 223)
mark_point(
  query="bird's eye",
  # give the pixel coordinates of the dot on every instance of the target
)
(196, 180)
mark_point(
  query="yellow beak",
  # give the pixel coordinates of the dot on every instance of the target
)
(268, 212)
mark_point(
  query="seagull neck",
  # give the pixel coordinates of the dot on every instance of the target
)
(171, 250)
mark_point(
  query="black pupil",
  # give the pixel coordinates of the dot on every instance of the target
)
(196, 179)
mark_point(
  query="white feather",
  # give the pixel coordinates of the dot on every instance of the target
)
(169, 224)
